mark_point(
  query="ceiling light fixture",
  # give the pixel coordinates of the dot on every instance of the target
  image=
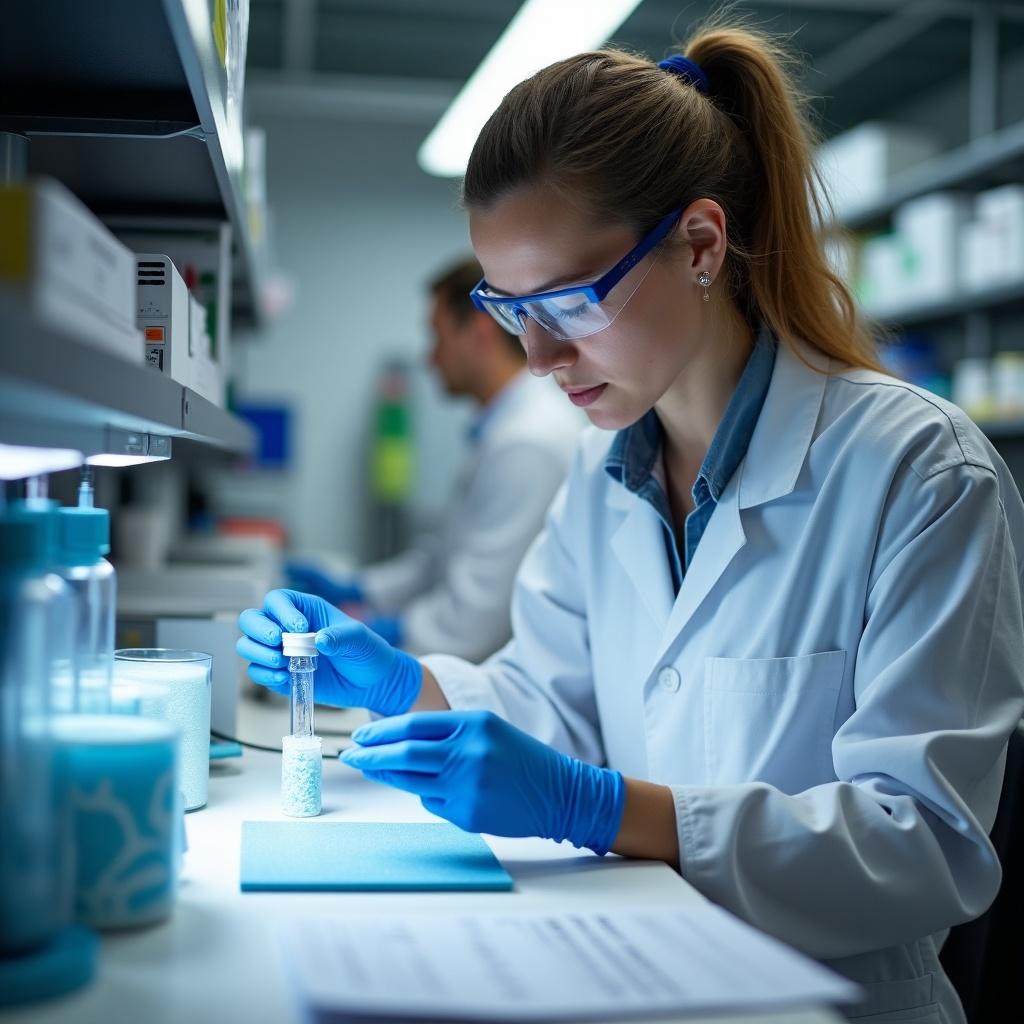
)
(541, 32)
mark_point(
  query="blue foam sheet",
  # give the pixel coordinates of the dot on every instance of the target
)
(361, 856)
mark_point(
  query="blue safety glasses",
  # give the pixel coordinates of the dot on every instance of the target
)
(579, 311)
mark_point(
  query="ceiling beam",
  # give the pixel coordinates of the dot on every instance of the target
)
(299, 35)
(874, 43)
(984, 73)
(367, 98)
(1010, 11)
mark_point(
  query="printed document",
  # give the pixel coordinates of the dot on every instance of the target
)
(546, 966)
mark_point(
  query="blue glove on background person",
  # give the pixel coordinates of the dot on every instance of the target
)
(356, 668)
(309, 579)
(387, 627)
(485, 775)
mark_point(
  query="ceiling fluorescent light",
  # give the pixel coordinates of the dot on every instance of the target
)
(541, 32)
(19, 461)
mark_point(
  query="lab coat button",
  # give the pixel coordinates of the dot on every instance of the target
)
(669, 679)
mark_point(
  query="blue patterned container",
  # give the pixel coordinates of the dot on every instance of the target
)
(121, 777)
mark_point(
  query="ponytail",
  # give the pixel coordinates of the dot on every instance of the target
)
(792, 287)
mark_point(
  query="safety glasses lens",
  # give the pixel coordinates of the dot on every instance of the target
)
(569, 316)
(507, 318)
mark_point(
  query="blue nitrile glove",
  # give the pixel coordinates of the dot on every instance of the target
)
(356, 668)
(388, 628)
(485, 775)
(307, 578)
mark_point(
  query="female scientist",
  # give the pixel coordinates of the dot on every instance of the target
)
(772, 632)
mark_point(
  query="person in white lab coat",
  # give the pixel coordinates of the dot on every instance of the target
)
(451, 591)
(772, 632)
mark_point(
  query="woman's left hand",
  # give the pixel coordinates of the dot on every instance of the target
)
(485, 775)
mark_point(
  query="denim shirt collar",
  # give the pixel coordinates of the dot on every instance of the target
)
(635, 452)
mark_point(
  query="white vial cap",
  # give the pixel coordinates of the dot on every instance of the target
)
(298, 645)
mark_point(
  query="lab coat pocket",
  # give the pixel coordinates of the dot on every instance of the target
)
(771, 719)
(927, 1014)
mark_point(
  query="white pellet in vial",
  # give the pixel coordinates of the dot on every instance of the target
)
(301, 766)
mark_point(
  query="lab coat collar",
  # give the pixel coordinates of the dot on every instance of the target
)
(785, 428)
(775, 457)
(777, 452)
(783, 434)
(723, 538)
(639, 545)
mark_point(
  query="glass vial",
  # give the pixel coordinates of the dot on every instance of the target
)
(83, 538)
(302, 750)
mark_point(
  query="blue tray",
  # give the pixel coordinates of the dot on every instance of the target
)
(360, 856)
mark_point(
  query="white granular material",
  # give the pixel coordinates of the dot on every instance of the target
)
(188, 707)
(301, 766)
(185, 704)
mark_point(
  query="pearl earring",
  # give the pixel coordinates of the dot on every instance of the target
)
(704, 280)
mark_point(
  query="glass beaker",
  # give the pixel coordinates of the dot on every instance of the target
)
(186, 678)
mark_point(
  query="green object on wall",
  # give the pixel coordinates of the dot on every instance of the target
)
(391, 459)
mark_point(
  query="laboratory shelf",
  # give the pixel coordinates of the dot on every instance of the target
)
(991, 300)
(128, 105)
(201, 420)
(993, 159)
(56, 391)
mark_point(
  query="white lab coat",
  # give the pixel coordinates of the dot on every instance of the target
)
(830, 694)
(453, 590)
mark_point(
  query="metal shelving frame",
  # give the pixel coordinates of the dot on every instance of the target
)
(992, 155)
(984, 302)
(190, 26)
(143, 149)
(56, 391)
(969, 166)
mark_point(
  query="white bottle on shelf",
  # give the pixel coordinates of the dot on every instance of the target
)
(83, 538)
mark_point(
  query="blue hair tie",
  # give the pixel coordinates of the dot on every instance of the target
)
(688, 70)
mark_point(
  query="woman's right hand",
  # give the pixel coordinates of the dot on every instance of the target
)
(356, 668)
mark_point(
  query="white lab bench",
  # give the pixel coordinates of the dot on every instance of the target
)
(215, 959)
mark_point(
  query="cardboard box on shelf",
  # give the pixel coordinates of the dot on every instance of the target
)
(883, 283)
(1008, 384)
(74, 275)
(972, 387)
(859, 165)
(931, 228)
(981, 265)
(1001, 211)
